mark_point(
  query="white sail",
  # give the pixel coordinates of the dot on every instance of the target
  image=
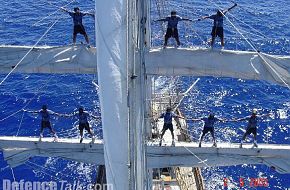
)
(64, 59)
(111, 27)
(219, 63)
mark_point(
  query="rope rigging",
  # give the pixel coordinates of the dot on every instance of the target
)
(35, 94)
(32, 48)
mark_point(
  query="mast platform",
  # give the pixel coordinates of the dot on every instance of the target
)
(17, 150)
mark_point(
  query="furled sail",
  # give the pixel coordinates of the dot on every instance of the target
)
(62, 59)
(17, 150)
(219, 63)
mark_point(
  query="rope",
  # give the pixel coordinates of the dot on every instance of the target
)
(13, 174)
(20, 124)
(201, 161)
(52, 12)
(28, 52)
(28, 101)
(49, 169)
(261, 34)
(255, 49)
(34, 168)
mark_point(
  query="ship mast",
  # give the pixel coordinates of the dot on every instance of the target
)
(137, 46)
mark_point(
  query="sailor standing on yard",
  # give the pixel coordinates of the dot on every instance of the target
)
(208, 126)
(218, 25)
(83, 122)
(168, 115)
(77, 17)
(252, 126)
(172, 30)
(45, 120)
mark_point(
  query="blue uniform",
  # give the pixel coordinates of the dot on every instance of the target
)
(252, 122)
(217, 29)
(172, 21)
(45, 115)
(208, 127)
(172, 30)
(83, 117)
(251, 127)
(168, 121)
(45, 120)
(83, 120)
(78, 23)
(168, 117)
(77, 18)
(209, 122)
(218, 21)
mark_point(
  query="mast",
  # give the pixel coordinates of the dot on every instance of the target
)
(138, 11)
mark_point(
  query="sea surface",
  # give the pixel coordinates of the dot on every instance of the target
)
(266, 24)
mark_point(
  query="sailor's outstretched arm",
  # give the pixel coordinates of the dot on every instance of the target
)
(222, 119)
(64, 9)
(204, 17)
(187, 19)
(69, 115)
(162, 19)
(90, 14)
(55, 113)
(95, 117)
(194, 119)
(265, 115)
(64, 115)
(225, 11)
(30, 111)
(241, 119)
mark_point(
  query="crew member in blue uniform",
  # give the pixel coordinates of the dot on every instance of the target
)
(252, 126)
(45, 120)
(172, 30)
(77, 17)
(208, 126)
(168, 115)
(83, 122)
(218, 25)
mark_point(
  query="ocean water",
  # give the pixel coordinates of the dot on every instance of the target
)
(265, 23)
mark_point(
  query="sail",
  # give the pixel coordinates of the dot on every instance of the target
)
(219, 63)
(112, 61)
(46, 59)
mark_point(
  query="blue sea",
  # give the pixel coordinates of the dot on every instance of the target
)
(266, 24)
